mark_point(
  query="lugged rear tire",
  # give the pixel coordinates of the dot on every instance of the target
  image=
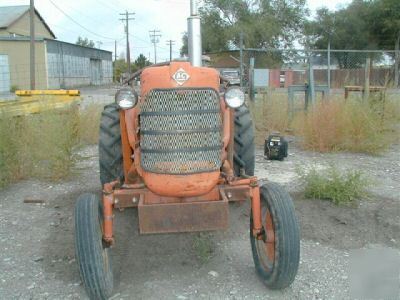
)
(110, 148)
(92, 256)
(244, 155)
(276, 261)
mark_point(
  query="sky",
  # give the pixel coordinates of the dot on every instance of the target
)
(99, 21)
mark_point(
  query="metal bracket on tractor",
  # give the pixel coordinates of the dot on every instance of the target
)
(179, 214)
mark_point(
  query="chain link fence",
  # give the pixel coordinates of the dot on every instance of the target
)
(332, 68)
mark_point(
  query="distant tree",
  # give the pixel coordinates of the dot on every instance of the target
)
(120, 67)
(141, 62)
(347, 28)
(264, 23)
(85, 42)
(184, 49)
(384, 22)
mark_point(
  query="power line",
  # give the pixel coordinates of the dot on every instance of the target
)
(105, 4)
(77, 23)
(86, 16)
(155, 39)
(128, 52)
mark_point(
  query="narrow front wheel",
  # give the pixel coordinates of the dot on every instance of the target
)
(92, 254)
(276, 253)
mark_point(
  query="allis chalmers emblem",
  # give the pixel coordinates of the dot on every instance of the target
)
(181, 76)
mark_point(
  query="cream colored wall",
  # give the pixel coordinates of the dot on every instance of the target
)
(4, 32)
(21, 27)
(18, 59)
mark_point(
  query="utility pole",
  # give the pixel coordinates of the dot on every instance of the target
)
(32, 43)
(128, 52)
(155, 39)
(170, 43)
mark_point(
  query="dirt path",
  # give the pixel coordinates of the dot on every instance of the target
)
(37, 257)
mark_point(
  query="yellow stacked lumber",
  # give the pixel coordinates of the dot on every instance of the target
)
(35, 101)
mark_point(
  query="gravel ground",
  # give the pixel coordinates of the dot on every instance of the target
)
(37, 258)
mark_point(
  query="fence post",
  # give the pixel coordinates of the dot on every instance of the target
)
(396, 63)
(251, 79)
(241, 59)
(366, 82)
(329, 67)
(311, 87)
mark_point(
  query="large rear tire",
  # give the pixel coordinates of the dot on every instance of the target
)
(91, 254)
(276, 257)
(110, 149)
(244, 155)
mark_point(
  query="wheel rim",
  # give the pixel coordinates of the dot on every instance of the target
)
(266, 246)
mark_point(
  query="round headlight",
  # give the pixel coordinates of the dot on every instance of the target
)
(126, 98)
(234, 97)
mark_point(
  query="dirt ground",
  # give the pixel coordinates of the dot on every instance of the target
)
(37, 249)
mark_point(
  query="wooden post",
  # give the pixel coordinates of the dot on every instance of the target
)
(396, 63)
(241, 60)
(311, 87)
(366, 82)
(251, 79)
(329, 66)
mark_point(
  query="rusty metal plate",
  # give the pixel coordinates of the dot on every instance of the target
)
(183, 217)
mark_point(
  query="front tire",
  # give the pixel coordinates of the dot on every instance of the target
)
(91, 254)
(110, 148)
(276, 259)
(244, 154)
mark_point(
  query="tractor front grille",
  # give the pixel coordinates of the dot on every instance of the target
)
(180, 131)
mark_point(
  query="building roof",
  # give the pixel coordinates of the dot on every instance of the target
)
(224, 59)
(11, 14)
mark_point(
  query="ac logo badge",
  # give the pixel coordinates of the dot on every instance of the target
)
(181, 76)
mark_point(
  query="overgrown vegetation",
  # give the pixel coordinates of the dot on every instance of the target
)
(89, 121)
(270, 113)
(334, 185)
(42, 145)
(352, 125)
(331, 125)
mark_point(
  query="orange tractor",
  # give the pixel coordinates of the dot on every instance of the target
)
(180, 152)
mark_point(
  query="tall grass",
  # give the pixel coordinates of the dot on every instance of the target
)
(89, 121)
(331, 125)
(270, 114)
(39, 145)
(354, 126)
(43, 145)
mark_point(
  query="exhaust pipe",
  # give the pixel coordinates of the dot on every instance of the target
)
(194, 36)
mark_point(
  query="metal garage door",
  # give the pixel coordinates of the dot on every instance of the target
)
(4, 74)
(95, 71)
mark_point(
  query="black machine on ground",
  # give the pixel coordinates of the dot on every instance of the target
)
(276, 147)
